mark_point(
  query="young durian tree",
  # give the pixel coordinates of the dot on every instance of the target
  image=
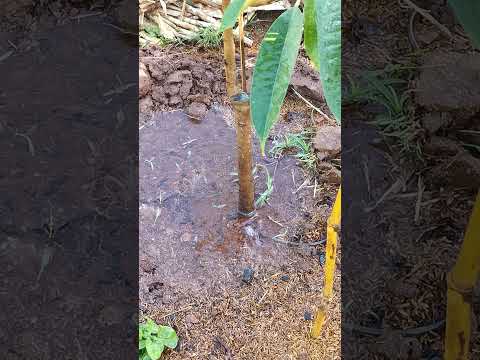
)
(320, 25)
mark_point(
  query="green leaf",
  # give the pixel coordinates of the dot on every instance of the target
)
(154, 349)
(168, 337)
(468, 13)
(310, 35)
(142, 344)
(144, 355)
(231, 14)
(273, 70)
(151, 327)
(329, 25)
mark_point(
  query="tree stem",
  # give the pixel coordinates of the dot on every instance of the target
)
(242, 52)
(241, 105)
(229, 56)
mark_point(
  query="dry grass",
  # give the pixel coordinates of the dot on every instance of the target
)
(263, 320)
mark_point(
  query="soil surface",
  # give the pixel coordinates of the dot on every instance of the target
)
(410, 208)
(66, 193)
(232, 288)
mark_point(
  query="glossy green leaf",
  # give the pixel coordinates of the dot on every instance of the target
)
(151, 327)
(329, 30)
(168, 337)
(231, 14)
(273, 70)
(310, 36)
(154, 349)
(145, 356)
(468, 13)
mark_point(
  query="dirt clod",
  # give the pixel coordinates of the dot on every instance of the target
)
(179, 82)
(307, 81)
(330, 173)
(146, 104)
(449, 81)
(197, 110)
(247, 275)
(145, 83)
(432, 122)
(327, 142)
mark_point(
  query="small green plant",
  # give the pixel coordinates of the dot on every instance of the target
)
(299, 142)
(208, 38)
(320, 26)
(397, 121)
(151, 34)
(263, 198)
(153, 339)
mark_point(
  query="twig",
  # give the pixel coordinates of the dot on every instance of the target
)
(123, 31)
(274, 221)
(418, 204)
(407, 332)
(311, 105)
(429, 17)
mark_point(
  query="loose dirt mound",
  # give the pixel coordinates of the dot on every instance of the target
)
(183, 83)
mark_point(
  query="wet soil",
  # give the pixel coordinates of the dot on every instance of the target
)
(232, 288)
(191, 242)
(189, 179)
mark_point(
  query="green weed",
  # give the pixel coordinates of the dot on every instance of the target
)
(208, 38)
(398, 122)
(153, 339)
(264, 196)
(301, 144)
(151, 35)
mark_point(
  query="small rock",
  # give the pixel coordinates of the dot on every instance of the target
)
(308, 316)
(247, 275)
(285, 278)
(145, 105)
(327, 142)
(434, 121)
(197, 110)
(191, 319)
(449, 81)
(145, 82)
(330, 173)
(307, 81)
(321, 258)
(175, 100)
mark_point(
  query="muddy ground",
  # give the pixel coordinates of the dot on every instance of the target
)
(413, 206)
(242, 289)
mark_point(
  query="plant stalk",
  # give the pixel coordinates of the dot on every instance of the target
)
(229, 57)
(242, 52)
(241, 105)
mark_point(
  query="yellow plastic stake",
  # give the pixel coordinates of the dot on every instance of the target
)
(461, 281)
(333, 226)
